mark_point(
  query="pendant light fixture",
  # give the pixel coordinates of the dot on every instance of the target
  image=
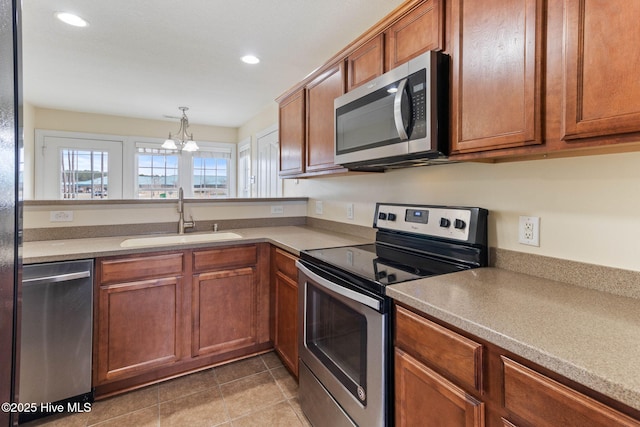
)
(182, 141)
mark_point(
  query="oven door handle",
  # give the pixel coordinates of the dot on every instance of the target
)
(340, 290)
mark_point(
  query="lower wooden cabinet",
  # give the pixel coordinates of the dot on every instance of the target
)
(425, 398)
(285, 283)
(158, 315)
(435, 372)
(532, 399)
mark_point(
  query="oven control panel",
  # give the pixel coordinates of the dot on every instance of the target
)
(457, 223)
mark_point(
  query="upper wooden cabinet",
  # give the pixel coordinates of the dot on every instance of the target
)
(320, 94)
(420, 30)
(496, 50)
(292, 134)
(602, 93)
(366, 62)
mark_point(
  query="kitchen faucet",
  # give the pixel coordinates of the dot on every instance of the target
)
(182, 224)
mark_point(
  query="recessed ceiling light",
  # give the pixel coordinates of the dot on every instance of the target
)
(71, 19)
(250, 59)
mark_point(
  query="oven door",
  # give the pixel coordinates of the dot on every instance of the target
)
(343, 343)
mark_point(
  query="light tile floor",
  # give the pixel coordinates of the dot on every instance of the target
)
(258, 391)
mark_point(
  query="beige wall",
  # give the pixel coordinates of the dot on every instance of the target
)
(589, 206)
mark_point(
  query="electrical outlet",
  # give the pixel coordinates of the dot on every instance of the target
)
(319, 208)
(529, 230)
(277, 210)
(349, 210)
(61, 216)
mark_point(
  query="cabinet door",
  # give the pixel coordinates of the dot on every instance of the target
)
(417, 32)
(320, 118)
(224, 311)
(542, 402)
(366, 63)
(496, 50)
(138, 327)
(424, 398)
(292, 134)
(602, 94)
(286, 313)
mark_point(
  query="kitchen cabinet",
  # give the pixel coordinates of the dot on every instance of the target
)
(444, 372)
(230, 308)
(433, 367)
(292, 134)
(320, 94)
(418, 31)
(366, 62)
(532, 399)
(497, 57)
(602, 94)
(163, 314)
(139, 315)
(285, 295)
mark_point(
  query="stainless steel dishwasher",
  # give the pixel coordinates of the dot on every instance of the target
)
(56, 335)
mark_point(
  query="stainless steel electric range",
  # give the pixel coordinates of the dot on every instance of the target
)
(345, 329)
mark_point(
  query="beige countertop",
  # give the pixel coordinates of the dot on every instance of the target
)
(290, 238)
(588, 336)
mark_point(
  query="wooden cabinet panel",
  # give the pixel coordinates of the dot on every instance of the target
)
(140, 267)
(457, 356)
(320, 94)
(540, 401)
(138, 327)
(292, 134)
(224, 311)
(285, 303)
(226, 257)
(419, 31)
(602, 94)
(366, 63)
(496, 50)
(424, 398)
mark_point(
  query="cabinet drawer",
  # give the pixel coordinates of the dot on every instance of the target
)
(541, 401)
(225, 258)
(140, 267)
(450, 353)
(286, 263)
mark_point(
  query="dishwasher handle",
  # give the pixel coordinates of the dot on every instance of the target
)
(57, 278)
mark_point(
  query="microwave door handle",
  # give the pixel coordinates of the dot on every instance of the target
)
(397, 110)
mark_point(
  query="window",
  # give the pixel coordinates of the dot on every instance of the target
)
(158, 173)
(205, 174)
(72, 165)
(84, 174)
(78, 166)
(211, 173)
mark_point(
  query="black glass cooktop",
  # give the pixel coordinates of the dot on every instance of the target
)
(378, 264)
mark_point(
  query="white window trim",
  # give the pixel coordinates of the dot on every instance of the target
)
(122, 163)
(185, 162)
(47, 176)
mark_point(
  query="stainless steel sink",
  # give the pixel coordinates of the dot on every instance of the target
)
(178, 239)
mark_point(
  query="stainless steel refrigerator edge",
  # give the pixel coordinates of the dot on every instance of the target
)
(10, 198)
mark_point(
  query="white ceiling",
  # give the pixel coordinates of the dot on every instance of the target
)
(145, 58)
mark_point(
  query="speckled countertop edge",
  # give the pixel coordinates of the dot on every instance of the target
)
(290, 238)
(588, 336)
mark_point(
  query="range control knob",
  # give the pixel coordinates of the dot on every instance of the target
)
(459, 224)
(391, 217)
(444, 222)
(382, 216)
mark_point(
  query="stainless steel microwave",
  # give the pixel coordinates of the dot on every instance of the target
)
(399, 119)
